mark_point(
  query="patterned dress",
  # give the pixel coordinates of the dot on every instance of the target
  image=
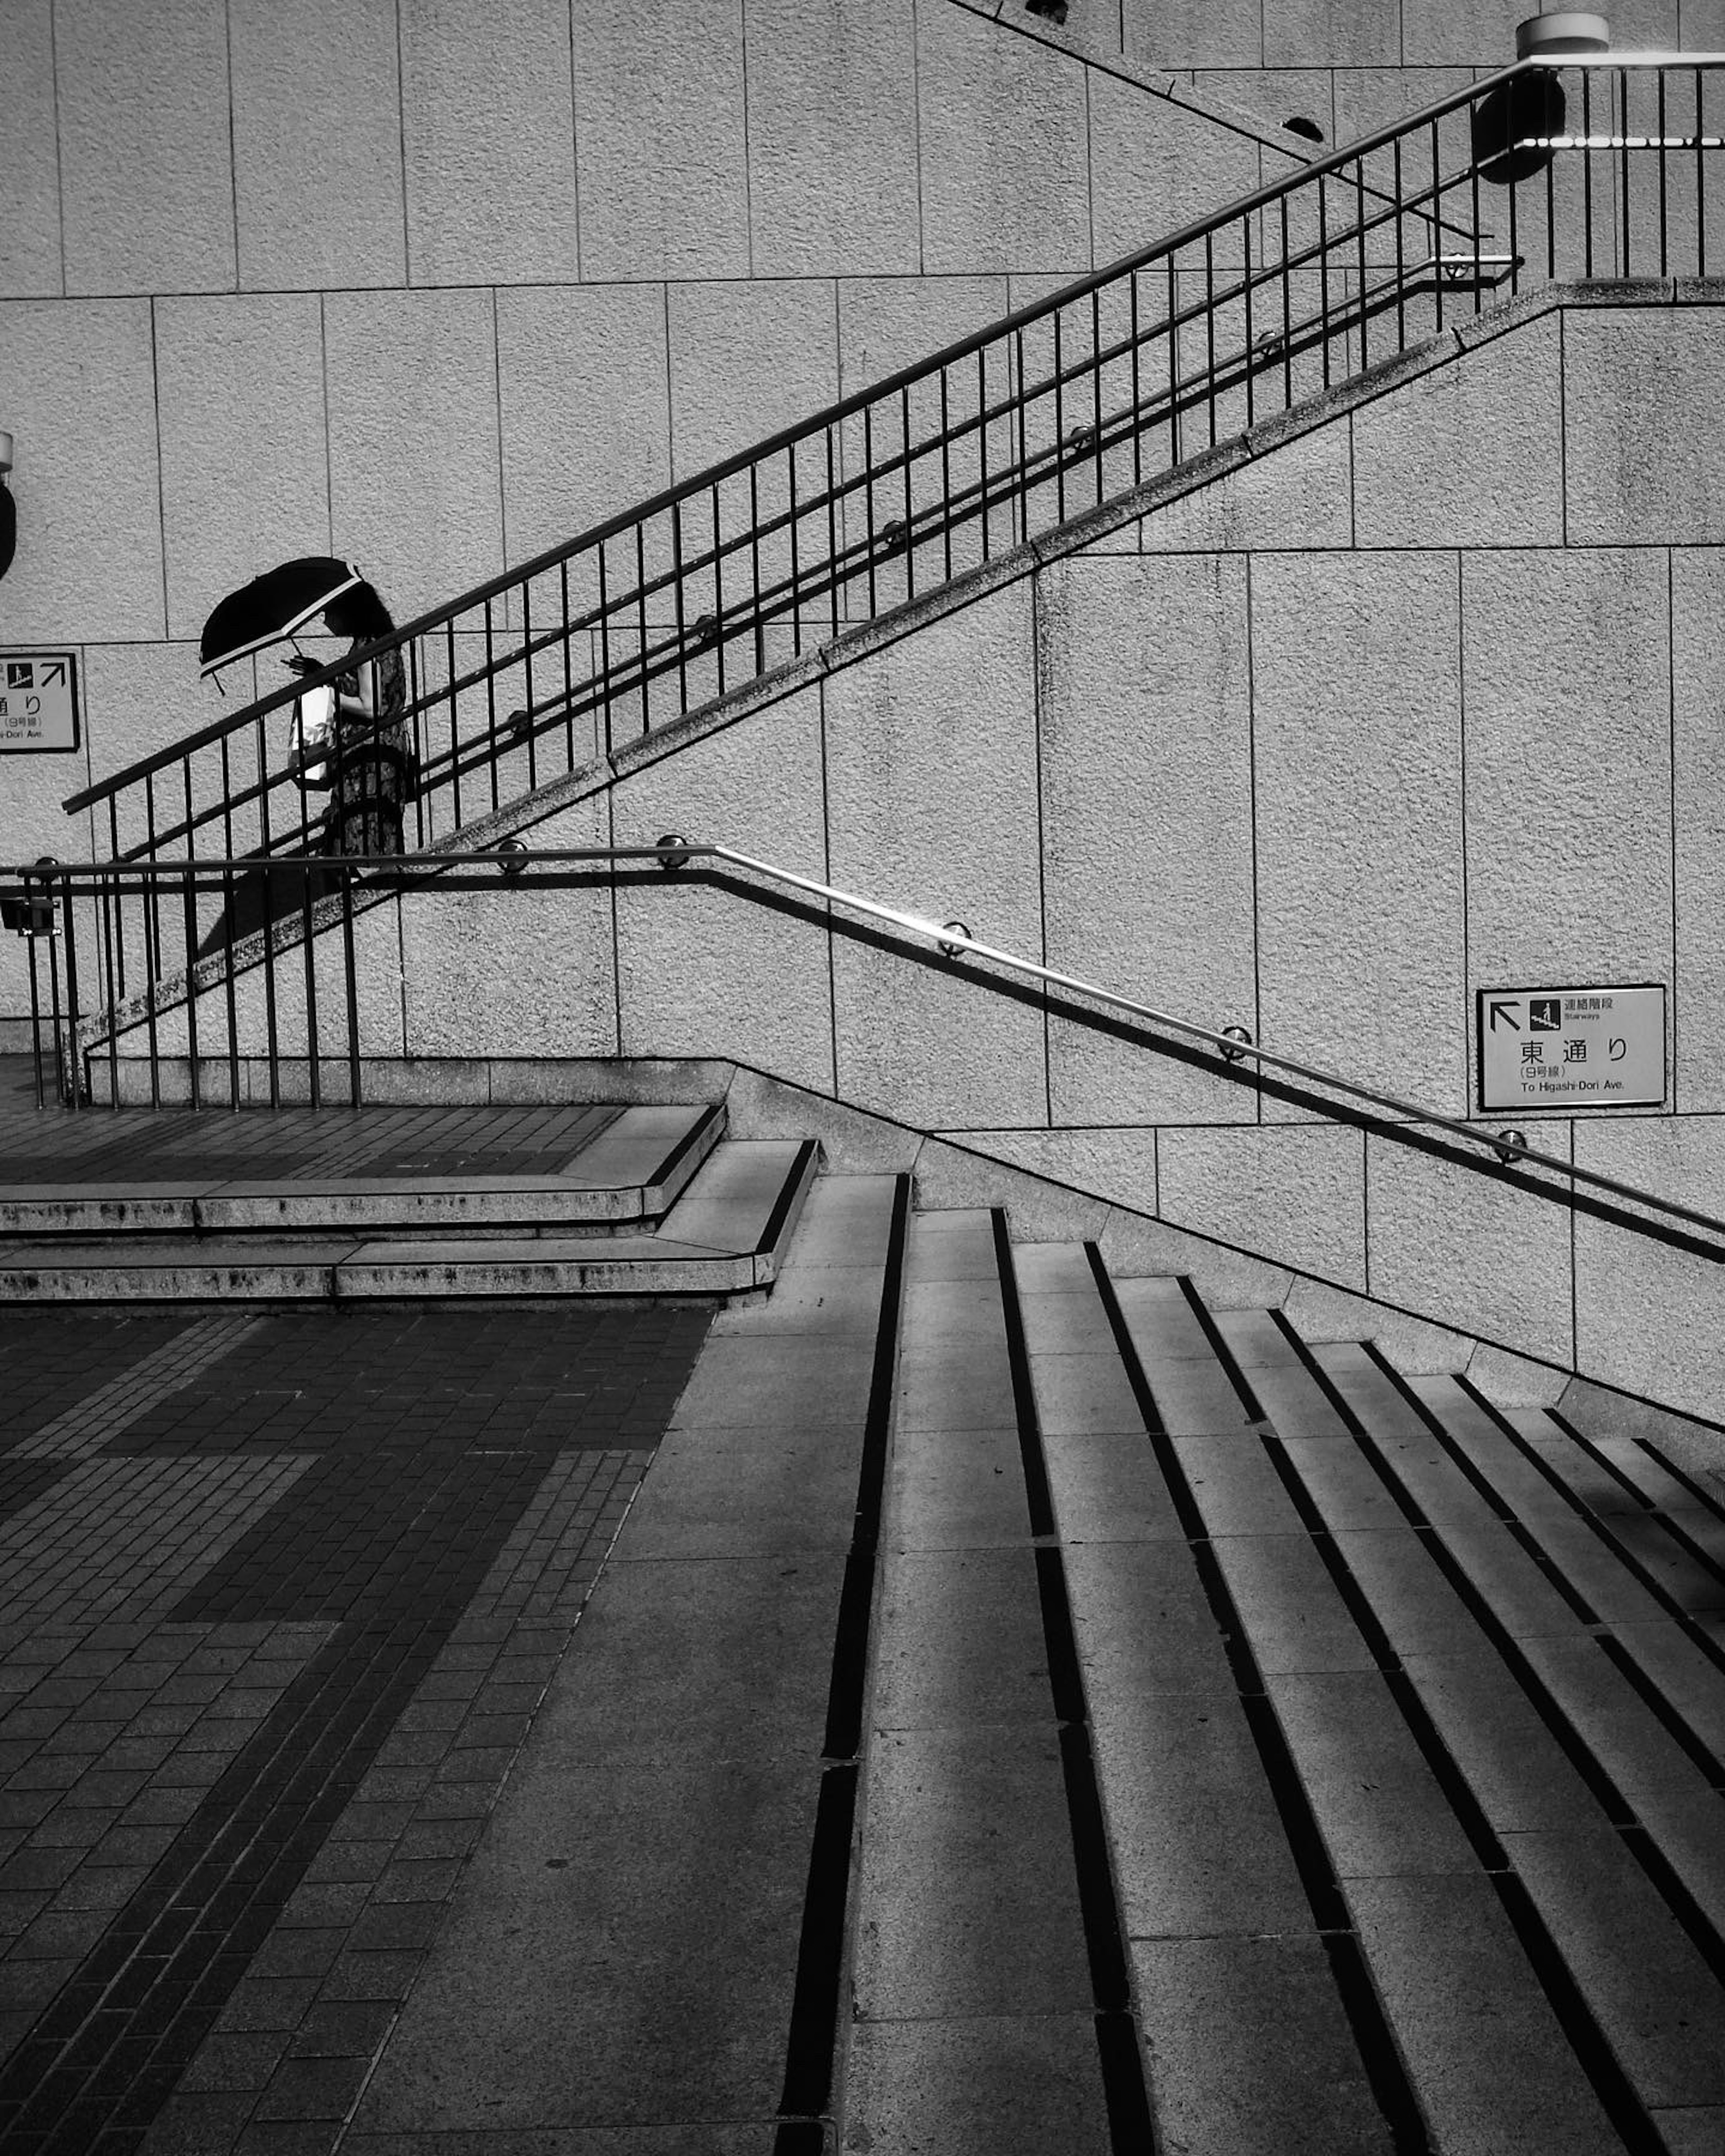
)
(373, 777)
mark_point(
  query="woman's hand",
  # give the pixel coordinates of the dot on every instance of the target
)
(301, 664)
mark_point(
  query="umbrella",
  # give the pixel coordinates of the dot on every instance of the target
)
(272, 606)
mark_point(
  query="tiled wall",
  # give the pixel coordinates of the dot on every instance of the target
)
(434, 284)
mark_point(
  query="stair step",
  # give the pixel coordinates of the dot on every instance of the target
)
(725, 1236)
(628, 1175)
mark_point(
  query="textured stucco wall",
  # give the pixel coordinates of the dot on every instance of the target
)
(434, 284)
(1327, 790)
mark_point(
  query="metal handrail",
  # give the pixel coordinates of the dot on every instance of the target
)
(724, 564)
(392, 873)
(830, 416)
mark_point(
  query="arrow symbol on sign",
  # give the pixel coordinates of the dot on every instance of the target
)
(1507, 1013)
(53, 673)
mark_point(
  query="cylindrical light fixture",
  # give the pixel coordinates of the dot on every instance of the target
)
(1564, 30)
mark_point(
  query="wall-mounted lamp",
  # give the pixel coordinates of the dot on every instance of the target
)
(8, 507)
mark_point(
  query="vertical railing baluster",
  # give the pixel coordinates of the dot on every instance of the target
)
(1020, 399)
(868, 502)
(230, 998)
(1401, 273)
(1323, 276)
(455, 756)
(1587, 170)
(104, 899)
(904, 422)
(272, 1022)
(796, 515)
(755, 566)
(1287, 312)
(188, 909)
(1664, 258)
(1095, 353)
(36, 1006)
(1515, 245)
(1137, 399)
(1473, 181)
(351, 975)
(306, 907)
(601, 721)
(678, 608)
(1251, 364)
(1364, 308)
(1059, 426)
(65, 1056)
(1174, 362)
(1700, 191)
(149, 883)
(1619, 85)
(491, 748)
(568, 644)
(641, 616)
(1210, 325)
(527, 669)
(719, 586)
(982, 440)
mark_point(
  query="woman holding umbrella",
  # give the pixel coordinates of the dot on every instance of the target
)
(372, 779)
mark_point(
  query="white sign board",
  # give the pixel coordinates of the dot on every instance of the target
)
(38, 701)
(1569, 1048)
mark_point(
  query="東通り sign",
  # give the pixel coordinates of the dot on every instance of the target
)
(1570, 1048)
(39, 700)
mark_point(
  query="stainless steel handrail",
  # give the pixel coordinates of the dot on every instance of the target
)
(950, 937)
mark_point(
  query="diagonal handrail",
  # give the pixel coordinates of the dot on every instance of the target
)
(525, 869)
(951, 459)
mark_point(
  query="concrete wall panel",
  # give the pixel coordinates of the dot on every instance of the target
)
(30, 265)
(511, 973)
(586, 412)
(1146, 819)
(1568, 767)
(1156, 166)
(832, 102)
(317, 154)
(705, 972)
(887, 323)
(932, 807)
(489, 127)
(668, 197)
(244, 483)
(1301, 495)
(1468, 456)
(1005, 150)
(1332, 34)
(1468, 1251)
(1698, 799)
(1650, 1318)
(1643, 455)
(1188, 34)
(146, 175)
(747, 360)
(1358, 737)
(415, 493)
(1295, 1196)
(80, 397)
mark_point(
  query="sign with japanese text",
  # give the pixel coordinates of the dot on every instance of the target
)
(38, 701)
(1570, 1048)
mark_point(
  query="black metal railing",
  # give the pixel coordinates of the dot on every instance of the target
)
(283, 1013)
(1546, 170)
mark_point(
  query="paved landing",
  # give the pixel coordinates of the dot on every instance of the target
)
(278, 1595)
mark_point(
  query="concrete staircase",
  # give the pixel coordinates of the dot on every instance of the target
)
(639, 1199)
(1087, 1710)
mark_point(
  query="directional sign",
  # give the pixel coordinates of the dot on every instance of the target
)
(38, 701)
(1571, 1048)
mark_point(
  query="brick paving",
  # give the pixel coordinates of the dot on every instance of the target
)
(279, 1595)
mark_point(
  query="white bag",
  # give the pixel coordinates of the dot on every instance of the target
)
(314, 725)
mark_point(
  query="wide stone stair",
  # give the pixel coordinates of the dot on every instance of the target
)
(1027, 1711)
